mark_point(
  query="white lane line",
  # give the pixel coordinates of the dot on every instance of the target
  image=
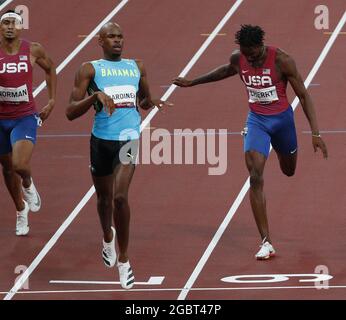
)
(246, 185)
(194, 59)
(322, 290)
(20, 282)
(89, 194)
(91, 191)
(5, 4)
(153, 281)
(83, 44)
(208, 34)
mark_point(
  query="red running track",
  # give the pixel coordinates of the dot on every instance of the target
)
(182, 204)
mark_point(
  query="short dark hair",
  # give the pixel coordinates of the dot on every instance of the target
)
(249, 36)
(10, 11)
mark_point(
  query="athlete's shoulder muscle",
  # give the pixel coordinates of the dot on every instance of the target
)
(235, 56)
(86, 72)
(39, 55)
(290, 71)
(234, 62)
(82, 80)
(285, 63)
(37, 50)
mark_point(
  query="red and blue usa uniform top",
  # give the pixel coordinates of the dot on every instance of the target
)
(16, 98)
(266, 91)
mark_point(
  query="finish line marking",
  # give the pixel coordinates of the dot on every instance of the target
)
(153, 281)
(175, 289)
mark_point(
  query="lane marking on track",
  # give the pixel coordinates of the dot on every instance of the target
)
(83, 44)
(153, 281)
(327, 131)
(144, 124)
(26, 274)
(194, 59)
(85, 135)
(203, 260)
(5, 4)
(230, 133)
(178, 289)
(208, 34)
(85, 36)
(329, 33)
(91, 191)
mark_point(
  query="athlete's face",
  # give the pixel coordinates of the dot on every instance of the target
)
(10, 28)
(112, 40)
(252, 54)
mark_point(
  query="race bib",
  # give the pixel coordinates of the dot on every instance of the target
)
(123, 96)
(14, 95)
(262, 96)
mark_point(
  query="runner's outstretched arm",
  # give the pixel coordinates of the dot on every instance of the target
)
(227, 70)
(145, 100)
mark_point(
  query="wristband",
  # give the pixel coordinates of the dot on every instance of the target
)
(316, 135)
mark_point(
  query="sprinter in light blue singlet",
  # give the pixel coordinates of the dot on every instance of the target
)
(119, 80)
(117, 88)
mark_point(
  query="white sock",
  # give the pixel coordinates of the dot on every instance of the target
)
(20, 212)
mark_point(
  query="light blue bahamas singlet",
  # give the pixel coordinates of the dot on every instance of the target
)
(119, 80)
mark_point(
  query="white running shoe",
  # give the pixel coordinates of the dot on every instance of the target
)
(22, 226)
(126, 276)
(266, 251)
(32, 197)
(109, 254)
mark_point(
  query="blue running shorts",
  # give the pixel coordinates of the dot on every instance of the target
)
(13, 130)
(278, 130)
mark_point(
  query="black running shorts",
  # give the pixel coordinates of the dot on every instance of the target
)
(105, 155)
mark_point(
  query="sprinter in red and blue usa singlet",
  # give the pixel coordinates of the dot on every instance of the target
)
(265, 72)
(16, 98)
(18, 115)
(270, 120)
